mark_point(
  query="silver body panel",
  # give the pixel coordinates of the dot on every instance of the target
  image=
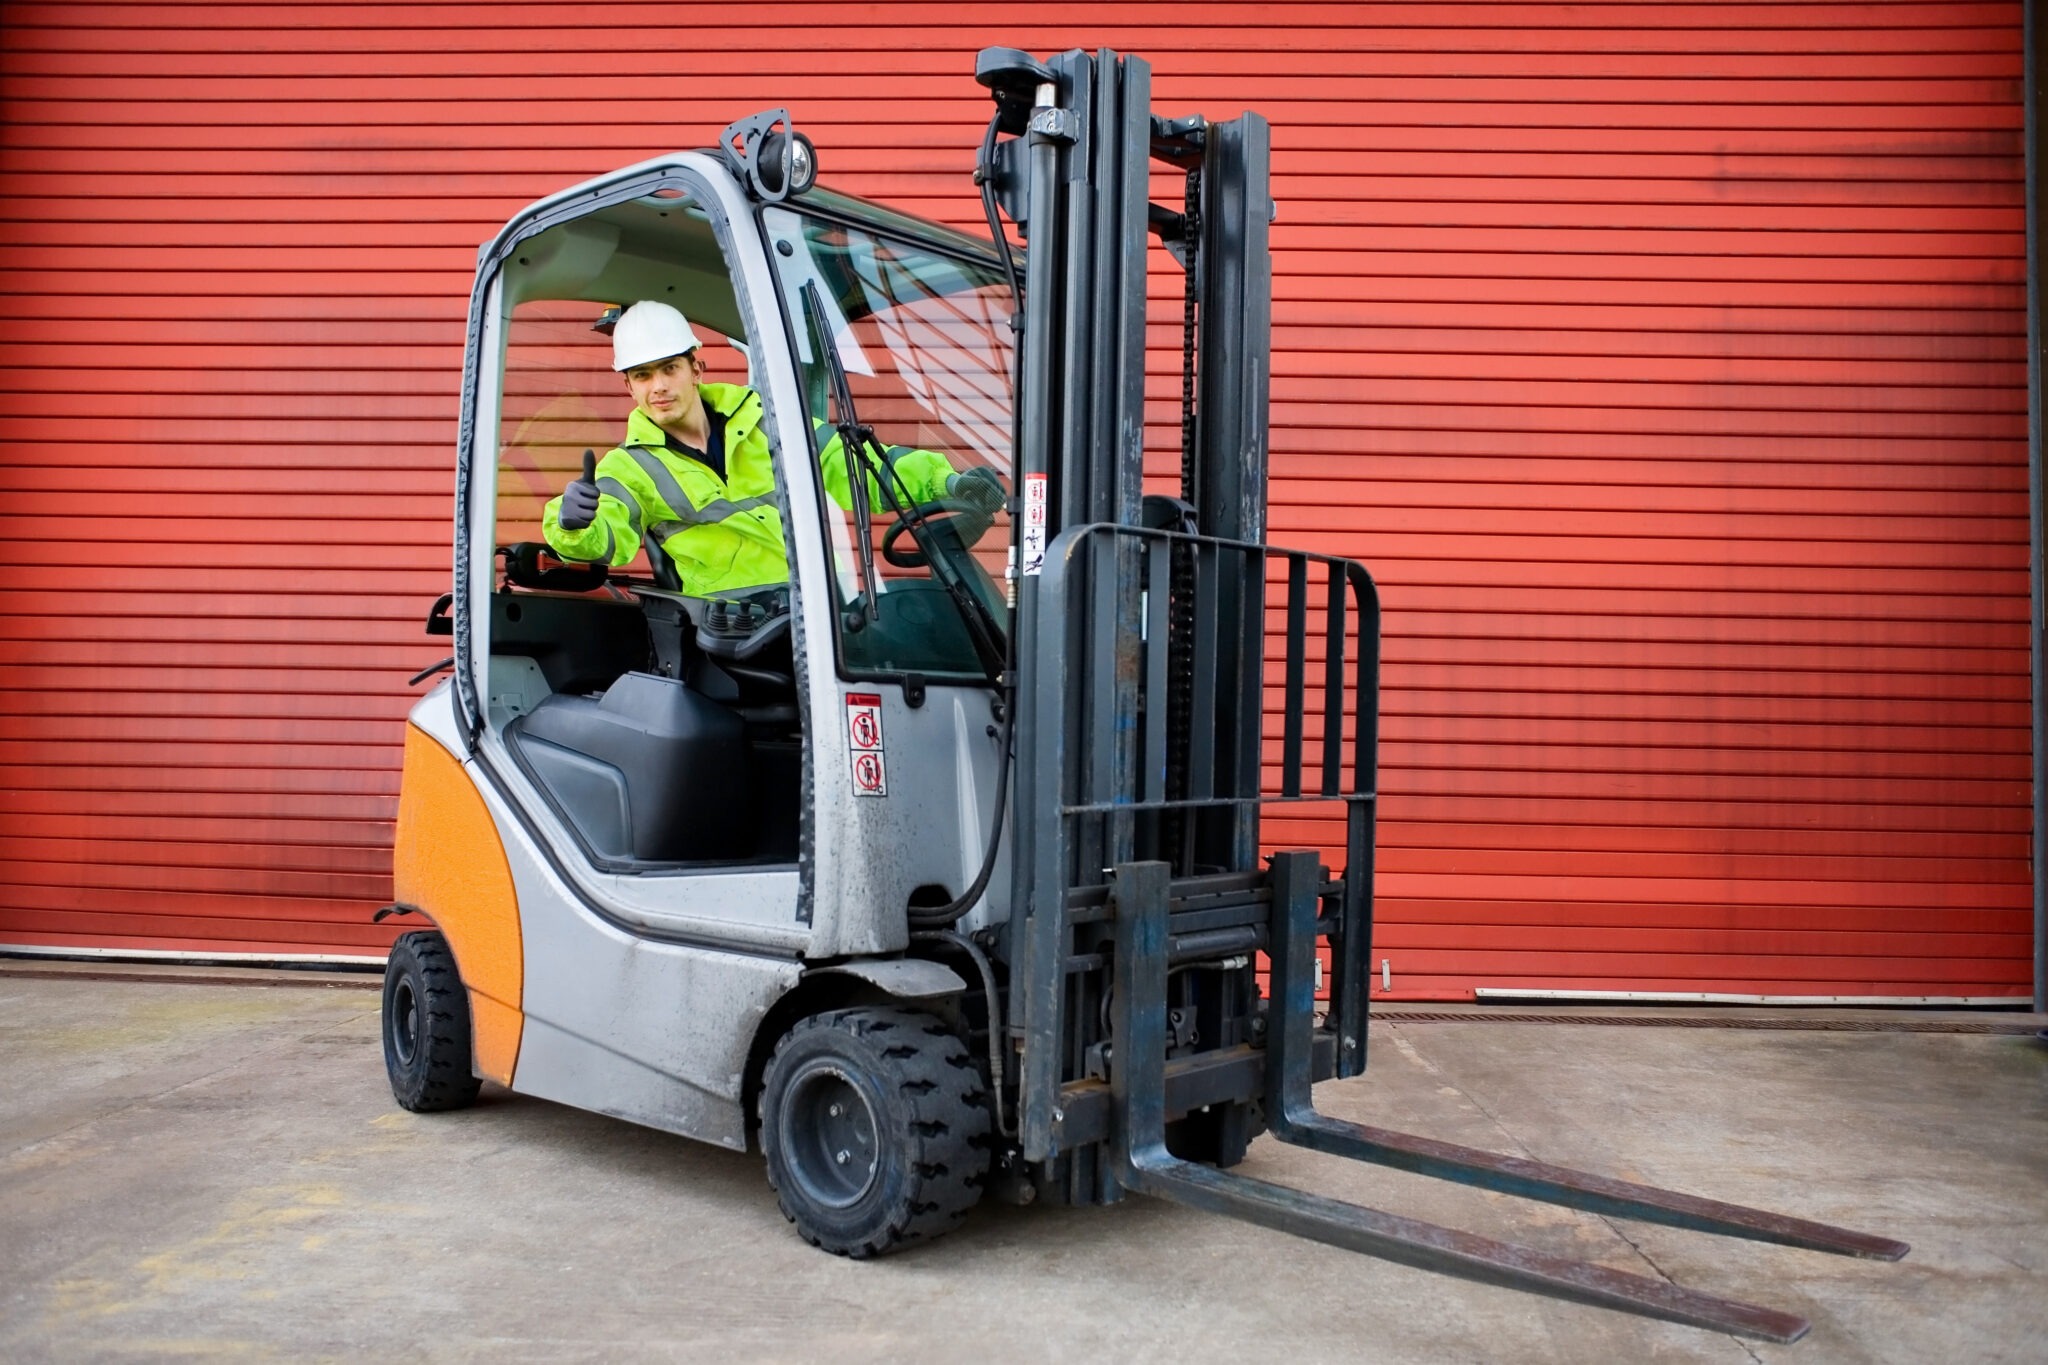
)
(906, 978)
(615, 1021)
(941, 765)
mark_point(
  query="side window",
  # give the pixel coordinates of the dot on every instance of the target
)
(561, 397)
(651, 747)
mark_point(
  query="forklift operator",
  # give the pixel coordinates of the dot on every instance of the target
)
(693, 475)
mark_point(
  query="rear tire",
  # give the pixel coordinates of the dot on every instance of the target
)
(426, 1027)
(875, 1124)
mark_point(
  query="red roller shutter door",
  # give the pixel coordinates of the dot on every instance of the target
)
(1686, 435)
(1667, 364)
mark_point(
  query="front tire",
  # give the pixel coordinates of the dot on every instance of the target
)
(875, 1124)
(426, 1026)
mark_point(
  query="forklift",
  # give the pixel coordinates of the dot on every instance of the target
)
(937, 870)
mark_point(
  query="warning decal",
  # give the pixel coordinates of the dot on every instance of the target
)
(864, 739)
(1034, 524)
(869, 777)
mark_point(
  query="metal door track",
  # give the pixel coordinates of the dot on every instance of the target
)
(1905, 1025)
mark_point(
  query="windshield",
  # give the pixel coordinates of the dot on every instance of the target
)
(924, 348)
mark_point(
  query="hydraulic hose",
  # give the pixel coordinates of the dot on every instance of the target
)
(947, 915)
(984, 172)
(995, 1016)
(934, 917)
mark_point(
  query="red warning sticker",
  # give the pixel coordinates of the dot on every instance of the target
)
(1034, 524)
(870, 778)
(864, 720)
(864, 739)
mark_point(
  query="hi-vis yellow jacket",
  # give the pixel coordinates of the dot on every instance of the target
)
(724, 535)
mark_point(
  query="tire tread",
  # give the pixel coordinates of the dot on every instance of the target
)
(942, 1086)
(444, 1079)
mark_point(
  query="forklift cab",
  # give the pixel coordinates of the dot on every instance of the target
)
(664, 747)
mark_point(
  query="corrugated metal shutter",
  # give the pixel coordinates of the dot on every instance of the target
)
(1673, 366)
(1666, 362)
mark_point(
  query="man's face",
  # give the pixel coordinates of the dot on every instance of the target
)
(666, 388)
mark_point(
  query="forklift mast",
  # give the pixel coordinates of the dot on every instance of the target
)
(1142, 619)
(1148, 630)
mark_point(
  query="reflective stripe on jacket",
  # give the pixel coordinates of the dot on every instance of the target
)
(724, 535)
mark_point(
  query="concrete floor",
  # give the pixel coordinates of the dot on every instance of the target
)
(219, 1171)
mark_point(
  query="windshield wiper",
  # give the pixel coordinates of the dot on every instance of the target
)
(852, 437)
(858, 446)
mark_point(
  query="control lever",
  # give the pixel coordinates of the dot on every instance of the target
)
(739, 630)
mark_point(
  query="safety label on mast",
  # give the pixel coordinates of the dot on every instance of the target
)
(1034, 524)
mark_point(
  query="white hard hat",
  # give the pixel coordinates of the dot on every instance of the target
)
(650, 330)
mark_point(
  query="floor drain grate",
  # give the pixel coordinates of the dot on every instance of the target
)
(2016, 1028)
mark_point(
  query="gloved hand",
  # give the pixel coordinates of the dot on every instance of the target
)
(978, 490)
(579, 499)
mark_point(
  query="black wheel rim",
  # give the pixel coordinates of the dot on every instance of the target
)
(828, 1130)
(404, 1022)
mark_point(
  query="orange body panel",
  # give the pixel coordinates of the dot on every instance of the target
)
(449, 862)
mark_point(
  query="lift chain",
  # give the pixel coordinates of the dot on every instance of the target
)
(1180, 660)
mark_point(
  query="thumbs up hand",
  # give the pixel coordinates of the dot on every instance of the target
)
(579, 499)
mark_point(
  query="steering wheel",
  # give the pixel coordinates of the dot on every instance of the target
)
(945, 518)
